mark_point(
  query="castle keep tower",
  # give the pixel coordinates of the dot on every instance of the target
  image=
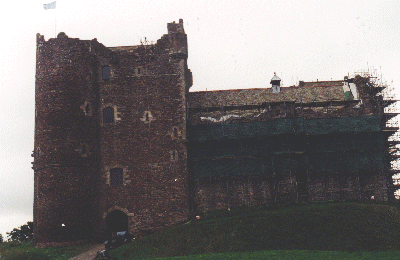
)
(110, 135)
(66, 139)
(143, 131)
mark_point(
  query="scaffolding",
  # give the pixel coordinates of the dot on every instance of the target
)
(372, 117)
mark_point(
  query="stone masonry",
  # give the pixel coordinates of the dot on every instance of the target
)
(121, 144)
(110, 135)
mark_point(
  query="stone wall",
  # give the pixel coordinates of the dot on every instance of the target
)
(223, 193)
(110, 135)
(147, 89)
(66, 140)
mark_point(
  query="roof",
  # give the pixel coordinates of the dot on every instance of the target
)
(258, 96)
(275, 78)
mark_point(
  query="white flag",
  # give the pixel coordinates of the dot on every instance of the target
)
(50, 6)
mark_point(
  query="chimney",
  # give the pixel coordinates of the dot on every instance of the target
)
(276, 84)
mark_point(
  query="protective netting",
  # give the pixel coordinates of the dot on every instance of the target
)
(315, 145)
(322, 162)
(315, 126)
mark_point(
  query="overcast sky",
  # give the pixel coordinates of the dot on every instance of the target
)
(232, 44)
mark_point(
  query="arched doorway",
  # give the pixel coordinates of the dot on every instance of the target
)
(116, 221)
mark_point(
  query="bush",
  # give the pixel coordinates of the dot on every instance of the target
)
(23, 233)
(14, 243)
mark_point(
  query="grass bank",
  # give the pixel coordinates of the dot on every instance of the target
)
(292, 255)
(309, 231)
(25, 251)
(343, 227)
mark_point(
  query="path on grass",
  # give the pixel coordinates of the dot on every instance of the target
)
(90, 254)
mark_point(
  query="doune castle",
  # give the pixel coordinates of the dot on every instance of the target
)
(121, 143)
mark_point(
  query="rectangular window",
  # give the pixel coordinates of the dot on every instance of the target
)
(116, 177)
(108, 115)
(106, 73)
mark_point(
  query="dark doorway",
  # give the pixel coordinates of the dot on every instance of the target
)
(116, 221)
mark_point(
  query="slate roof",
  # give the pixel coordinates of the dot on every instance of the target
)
(257, 96)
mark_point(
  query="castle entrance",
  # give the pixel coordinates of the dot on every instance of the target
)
(116, 221)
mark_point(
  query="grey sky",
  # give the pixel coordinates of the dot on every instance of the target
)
(232, 44)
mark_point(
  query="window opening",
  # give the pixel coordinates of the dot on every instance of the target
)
(87, 108)
(174, 156)
(397, 194)
(175, 132)
(108, 115)
(147, 117)
(84, 151)
(106, 73)
(116, 177)
(116, 221)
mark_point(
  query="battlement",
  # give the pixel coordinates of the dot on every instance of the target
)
(176, 27)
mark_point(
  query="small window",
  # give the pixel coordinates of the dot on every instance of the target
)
(85, 150)
(175, 132)
(116, 176)
(174, 156)
(106, 73)
(147, 117)
(86, 108)
(108, 115)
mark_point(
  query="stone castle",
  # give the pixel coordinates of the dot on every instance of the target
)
(121, 143)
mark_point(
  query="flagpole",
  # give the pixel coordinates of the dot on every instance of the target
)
(55, 24)
(52, 6)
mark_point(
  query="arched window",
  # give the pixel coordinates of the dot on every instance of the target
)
(108, 115)
(116, 176)
(106, 72)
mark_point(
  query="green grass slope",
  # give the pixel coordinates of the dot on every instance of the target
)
(25, 251)
(325, 227)
(292, 255)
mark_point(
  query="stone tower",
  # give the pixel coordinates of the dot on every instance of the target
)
(110, 135)
(66, 140)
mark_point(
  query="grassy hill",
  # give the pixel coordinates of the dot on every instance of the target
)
(25, 251)
(309, 231)
(348, 227)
